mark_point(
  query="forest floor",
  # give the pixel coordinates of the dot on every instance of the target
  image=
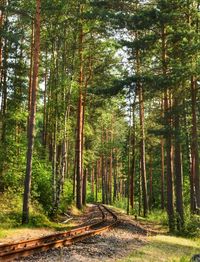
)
(130, 240)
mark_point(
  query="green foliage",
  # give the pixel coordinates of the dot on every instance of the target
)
(192, 226)
(41, 185)
(113, 33)
(67, 196)
(121, 203)
(38, 220)
(158, 216)
(11, 208)
(90, 197)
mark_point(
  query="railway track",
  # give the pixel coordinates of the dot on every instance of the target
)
(13, 251)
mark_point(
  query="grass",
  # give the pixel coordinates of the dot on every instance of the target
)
(20, 230)
(11, 215)
(36, 223)
(163, 248)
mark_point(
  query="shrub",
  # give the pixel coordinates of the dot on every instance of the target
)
(41, 184)
(192, 225)
(158, 216)
(11, 208)
(67, 196)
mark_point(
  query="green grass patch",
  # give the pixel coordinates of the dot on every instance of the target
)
(163, 248)
(11, 216)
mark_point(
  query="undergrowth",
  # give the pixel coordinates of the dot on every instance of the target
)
(11, 213)
(191, 227)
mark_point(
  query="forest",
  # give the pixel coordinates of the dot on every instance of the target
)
(99, 102)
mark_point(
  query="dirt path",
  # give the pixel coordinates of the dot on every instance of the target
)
(110, 246)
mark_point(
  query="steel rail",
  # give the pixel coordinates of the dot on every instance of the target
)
(9, 252)
(32, 242)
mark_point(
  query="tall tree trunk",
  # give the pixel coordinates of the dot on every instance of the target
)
(4, 78)
(1, 39)
(54, 164)
(142, 152)
(150, 182)
(92, 181)
(129, 172)
(4, 92)
(142, 134)
(74, 170)
(194, 149)
(162, 175)
(57, 177)
(178, 170)
(162, 143)
(132, 178)
(31, 70)
(140, 192)
(79, 156)
(98, 163)
(31, 126)
(79, 152)
(103, 177)
(106, 170)
(188, 158)
(168, 140)
(162, 163)
(84, 191)
(44, 133)
(169, 165)
(106, 178)
(115, 177)
(110, 170)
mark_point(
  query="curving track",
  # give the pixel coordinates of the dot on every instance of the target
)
(12, 251)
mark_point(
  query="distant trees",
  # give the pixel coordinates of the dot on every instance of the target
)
(116, 87)
(170, 75)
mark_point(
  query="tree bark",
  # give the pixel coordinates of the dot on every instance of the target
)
(110, 170)
(4, 92)
(31, 70)
(31, 126)
(189, 160)
(162, 175)
(98, 163)
(168, 140)
(142, 134)
(84, 191)
(44, 132)
(79, 152)
(142, 152)
(103, 177)
(4, 78)
(169, 165)
(162, 164)
(150, 182)
(92, 181)
(1, 41)
(140, 192)
(178, 170)
(195, 149)
(132, 178)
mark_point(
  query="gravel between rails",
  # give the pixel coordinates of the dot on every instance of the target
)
(109, 246)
